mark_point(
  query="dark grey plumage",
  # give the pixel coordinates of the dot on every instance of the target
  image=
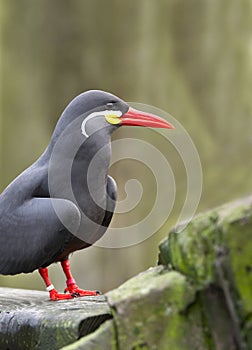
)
(31, 233)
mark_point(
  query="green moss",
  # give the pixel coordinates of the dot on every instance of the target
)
(187, 331)
(237, 229)
(216, 249)
(163, 257)
(247, 331)
(150, 311)
(154, 280)
(192, 251)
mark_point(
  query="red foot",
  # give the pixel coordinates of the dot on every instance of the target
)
(55, 295)
(75, 291)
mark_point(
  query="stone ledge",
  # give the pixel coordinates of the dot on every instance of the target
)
(30, 320)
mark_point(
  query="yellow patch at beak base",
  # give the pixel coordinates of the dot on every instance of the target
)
(113, 119)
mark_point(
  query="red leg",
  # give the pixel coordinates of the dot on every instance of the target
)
(54, 294)
(72, 287)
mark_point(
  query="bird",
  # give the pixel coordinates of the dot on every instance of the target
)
(65, 200)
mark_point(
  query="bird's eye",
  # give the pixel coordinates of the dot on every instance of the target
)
(110, 105)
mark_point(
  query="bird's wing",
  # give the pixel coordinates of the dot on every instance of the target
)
(111, 203)
(35, 232)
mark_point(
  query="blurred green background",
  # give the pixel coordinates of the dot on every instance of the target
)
(192, 59)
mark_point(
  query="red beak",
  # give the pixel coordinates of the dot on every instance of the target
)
(138, 118)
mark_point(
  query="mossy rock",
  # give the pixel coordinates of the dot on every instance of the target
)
(216, 249)
(157, 310)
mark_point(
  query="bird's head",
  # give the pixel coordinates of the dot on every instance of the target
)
(100, 109)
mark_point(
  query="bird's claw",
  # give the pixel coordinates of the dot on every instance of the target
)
(75, 295)
(55, 295)
(72, 291)
(75, 291)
